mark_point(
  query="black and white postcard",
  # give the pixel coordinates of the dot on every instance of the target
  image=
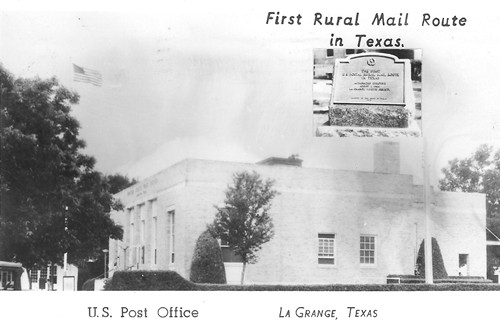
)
(221, 160)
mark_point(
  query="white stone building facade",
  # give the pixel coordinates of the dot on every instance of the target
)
(331, 226)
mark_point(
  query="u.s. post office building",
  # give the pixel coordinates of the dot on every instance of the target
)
(331, 226)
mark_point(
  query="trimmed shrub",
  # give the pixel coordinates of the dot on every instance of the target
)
(148, 280)
(438, 268)
(207, 265)
(107, 285)
(493, 261)
(88, 285)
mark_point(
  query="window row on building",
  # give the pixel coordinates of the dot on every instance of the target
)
(43, 276)
(142, 234)
(327, 249)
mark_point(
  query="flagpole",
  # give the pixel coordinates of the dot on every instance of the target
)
(429, 279)
(65, 257)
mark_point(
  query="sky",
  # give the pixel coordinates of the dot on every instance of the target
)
(186, 80)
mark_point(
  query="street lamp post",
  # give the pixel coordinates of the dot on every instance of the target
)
(105, 263)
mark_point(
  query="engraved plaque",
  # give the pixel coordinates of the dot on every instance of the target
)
(372, 78)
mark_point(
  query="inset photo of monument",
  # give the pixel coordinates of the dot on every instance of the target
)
(367, 92)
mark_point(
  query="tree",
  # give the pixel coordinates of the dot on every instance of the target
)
(438, 268)
(118, 182)
(207, 265)
(244, 221)
(93, 268)
(479, 172)
(52, 199)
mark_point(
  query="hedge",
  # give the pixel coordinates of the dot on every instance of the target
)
(170, 280)
(148, 280)
(89, 285)
(407, 279)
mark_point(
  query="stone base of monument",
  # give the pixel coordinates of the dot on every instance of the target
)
(356, 115)
(343, 131)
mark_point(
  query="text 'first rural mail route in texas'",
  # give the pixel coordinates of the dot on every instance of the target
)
(379, 19)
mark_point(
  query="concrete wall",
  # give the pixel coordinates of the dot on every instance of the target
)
(459, 222)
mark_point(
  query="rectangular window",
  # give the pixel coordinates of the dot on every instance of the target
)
(130, 220)
(329, 52)
(132, 245)
(137, 256)
(53, 274)
(142, 227)
(130, 216)
(132, 234)
(228, 253)
(34, 275)
(154, 231)
(367, 250)
(126, 257)
(155, 237)
(171, 217)
(6, 280)
(43, 273)
(143, 232)
(326, 248)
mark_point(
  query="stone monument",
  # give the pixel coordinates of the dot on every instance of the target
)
(372, 95)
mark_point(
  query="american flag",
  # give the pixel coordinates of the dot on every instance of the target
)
(81, 74)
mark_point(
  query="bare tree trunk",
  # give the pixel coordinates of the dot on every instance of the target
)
(243, 273)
